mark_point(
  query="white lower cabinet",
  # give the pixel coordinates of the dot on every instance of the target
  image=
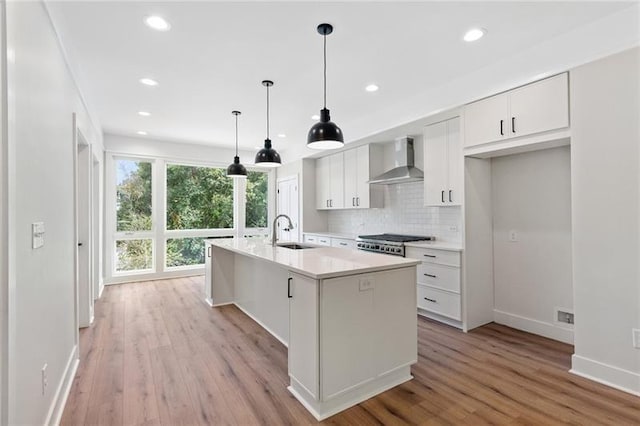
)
(350, 337)
(325, 240)
(438, 280)
(343, 243)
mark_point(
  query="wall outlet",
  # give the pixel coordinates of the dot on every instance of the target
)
(564, 316)
(366, 284)
(45, 380)
(513, 236)
(453, 228)
(636, 337)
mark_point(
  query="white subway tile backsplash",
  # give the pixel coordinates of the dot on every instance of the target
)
(403, 213)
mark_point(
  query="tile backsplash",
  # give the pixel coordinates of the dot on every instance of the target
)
(403, 213)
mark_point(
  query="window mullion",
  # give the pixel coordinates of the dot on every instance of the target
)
(160, 215)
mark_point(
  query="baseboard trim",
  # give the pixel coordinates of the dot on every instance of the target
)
(126, 279)
(534, 326)
(54, 416)
(609, 375)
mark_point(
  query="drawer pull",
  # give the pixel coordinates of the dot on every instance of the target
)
(431, 300)
(429, 275)
(430, 255)
(343, 244)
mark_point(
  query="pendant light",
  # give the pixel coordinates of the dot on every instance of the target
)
(267, 156)
(236, 169)
(325, 134)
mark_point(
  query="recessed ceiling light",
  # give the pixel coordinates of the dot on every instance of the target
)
(315, 117)
(148, 81)
(371, 88)
(474, 34)
(157, 23)
(144, 113)
(282, 135)
(141, 133)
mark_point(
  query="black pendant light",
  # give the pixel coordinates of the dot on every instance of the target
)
(267, 156)
(325, 134)
(236, 169)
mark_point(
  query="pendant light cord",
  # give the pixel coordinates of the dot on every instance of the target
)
(236, 134)
(267, 111)
(324, 37)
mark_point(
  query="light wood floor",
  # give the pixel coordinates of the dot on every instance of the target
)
(157, 354)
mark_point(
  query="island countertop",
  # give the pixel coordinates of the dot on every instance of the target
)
(319, 262)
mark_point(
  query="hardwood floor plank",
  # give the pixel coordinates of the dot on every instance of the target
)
(157, 354)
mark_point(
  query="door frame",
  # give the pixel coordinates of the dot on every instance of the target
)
(82, 160)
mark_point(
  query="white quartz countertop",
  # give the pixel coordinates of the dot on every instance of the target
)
(436, 245)
(317, 263)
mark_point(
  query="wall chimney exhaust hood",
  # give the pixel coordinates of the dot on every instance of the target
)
(404, 170)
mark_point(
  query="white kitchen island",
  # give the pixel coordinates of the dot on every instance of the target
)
(348, 317)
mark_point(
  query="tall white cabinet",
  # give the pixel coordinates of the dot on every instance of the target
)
(443, 164)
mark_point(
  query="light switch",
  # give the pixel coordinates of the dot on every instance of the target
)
(37, 234)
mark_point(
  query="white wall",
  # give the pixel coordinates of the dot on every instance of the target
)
(605, 175)
(531, 195)
(42, 98)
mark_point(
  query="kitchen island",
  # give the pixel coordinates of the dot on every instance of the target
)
(348, 317)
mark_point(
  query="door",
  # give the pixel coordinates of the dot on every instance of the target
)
(435, 164)
(362, 177)
(83, 201)
(455, 162)
(96, 219)
(336, 181)
(539, 107)
(485, 120)
(303, 332)
(350, 178)
(322, 183)
(289, 204)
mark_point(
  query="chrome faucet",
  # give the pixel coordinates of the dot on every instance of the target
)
(274, 237)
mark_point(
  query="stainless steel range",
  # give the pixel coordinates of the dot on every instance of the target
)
(388, 243)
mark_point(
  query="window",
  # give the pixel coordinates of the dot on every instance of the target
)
(198, 198)
(185, 252)
(134, 218)
(257, 195)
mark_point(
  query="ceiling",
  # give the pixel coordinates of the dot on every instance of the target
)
(216, 54)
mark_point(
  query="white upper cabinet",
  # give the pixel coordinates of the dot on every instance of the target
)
(535, 108)
(342, 179)
(329, 182)
(443, 164)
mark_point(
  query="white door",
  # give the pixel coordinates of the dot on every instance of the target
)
(362, 177)
(289, 204)
(336, 181)
(83, 200)
(435, 164)
(455, 162)
(539, 107)
(351, 178)
(486, 120)
(322, 183)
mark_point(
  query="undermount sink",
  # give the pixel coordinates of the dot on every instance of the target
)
(294, 246)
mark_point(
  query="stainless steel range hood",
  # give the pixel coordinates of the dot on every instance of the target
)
(404, 170)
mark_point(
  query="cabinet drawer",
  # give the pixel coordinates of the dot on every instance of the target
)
(313, 239)
(343, 243)
(443, 257)
(439, 302)
(441, 276)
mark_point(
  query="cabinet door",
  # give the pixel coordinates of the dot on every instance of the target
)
(336, 181)
(486, 120)
(455, 160)
(350, 178)
(362, 177)
(435, 164)
(303, 333)
(322, 183)
(539, 107)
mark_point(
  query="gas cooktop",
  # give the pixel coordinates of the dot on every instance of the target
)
(388, 243)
